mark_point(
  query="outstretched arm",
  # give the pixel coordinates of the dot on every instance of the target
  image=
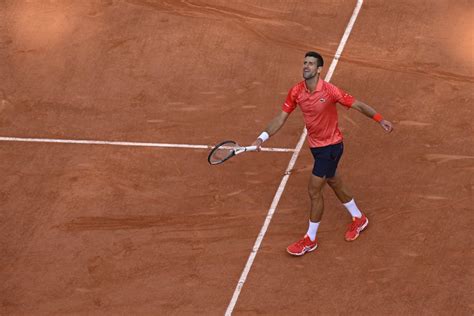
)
(274, 126)
(371, 113)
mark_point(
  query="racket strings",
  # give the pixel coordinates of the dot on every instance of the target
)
(222, 152)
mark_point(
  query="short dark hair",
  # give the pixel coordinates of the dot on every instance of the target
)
(317, 56)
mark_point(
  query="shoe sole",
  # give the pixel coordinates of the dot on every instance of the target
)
(363, 227)
(303, 252)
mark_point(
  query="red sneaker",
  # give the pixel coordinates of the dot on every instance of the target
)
(357, 225)
(302, 246)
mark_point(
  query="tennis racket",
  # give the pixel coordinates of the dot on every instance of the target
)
(226, 150)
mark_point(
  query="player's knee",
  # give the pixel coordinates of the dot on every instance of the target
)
(334, 182)
(315, 191)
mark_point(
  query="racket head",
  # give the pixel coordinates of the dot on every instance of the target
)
(222, 152)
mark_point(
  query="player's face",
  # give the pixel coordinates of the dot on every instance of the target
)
(310, 68)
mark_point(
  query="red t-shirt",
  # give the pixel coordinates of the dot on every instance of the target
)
(319, 110)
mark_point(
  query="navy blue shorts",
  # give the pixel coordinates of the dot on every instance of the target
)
(326, 159)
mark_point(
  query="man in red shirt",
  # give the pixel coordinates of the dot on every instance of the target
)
(317, 100)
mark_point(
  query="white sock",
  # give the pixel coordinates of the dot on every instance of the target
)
(312, 230)
(353, 209)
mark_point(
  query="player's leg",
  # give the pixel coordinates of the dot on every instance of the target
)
(359, 220)
(309, 243)
(323, 166)
(341, 191)
(315, 190)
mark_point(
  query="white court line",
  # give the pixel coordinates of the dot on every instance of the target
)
(117, 143)
(292, 162)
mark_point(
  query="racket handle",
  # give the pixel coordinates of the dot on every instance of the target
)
(251, 148)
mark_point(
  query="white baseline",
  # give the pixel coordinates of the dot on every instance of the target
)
(292, 162)
(119, 143)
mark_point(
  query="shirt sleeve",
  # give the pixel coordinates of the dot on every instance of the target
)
(341, 96)
(290, 102)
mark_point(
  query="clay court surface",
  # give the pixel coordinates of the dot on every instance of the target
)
(122, 230)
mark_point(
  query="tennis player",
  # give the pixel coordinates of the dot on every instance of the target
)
(317, 100)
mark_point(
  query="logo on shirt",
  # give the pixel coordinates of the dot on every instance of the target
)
(322, 100)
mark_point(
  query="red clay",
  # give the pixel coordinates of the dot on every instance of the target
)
(101, 230)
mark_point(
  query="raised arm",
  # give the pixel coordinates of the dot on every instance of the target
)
(370, 112)
(274, 126)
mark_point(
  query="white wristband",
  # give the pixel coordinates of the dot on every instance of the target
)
(264, 136)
